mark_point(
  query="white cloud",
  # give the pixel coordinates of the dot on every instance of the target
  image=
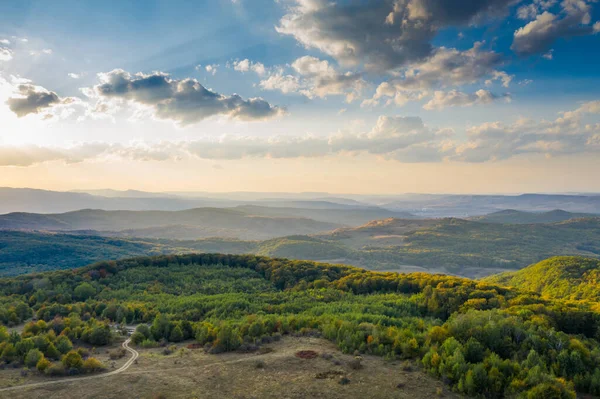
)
(540, 34)
(313, 78)
(5, 54)
(246, 65)
(454, 98)
(405, 139)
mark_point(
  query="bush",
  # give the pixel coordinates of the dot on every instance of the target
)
(92, 364)
(176, 334)
(55, 370)
(144, 330)
(149, 343)
(33, 357)
(117, 353)
(137, 338)
(72, 360)
(63, 344)
(43, 364)
(52, 352)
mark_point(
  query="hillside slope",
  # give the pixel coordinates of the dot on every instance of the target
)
(565, 277)
(512, 216)
(187, 224)
(482, 340)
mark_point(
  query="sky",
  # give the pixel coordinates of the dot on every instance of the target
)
(340, 96)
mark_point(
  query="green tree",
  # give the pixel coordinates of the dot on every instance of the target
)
(84, 291)
(176, 334)
(52, 352)
(33, 357)
(72, 360)
(63, 344)
(161, 327)
(43, 364)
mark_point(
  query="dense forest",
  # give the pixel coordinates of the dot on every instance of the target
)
(563, 277)
(480, 338)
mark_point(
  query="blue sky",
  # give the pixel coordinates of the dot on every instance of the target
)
(390, 87)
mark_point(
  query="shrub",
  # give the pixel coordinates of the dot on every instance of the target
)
(137, 338)
(43, 364)
(176, 334)
(63, 344)
(33, 357)
(149, 343)
(92, 364)
(72, 360)
(117, 353)
(52, 352)
(144, 330)
(55, 370)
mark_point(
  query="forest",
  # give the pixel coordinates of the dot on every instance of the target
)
(481, 338)
(462, 247)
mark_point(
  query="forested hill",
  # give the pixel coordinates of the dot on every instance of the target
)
(481, 339)
(565, 277)
(457, 246)
(512, 216)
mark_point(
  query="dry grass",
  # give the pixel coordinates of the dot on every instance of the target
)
(194, 374)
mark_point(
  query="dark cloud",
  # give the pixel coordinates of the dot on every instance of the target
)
(184, 101)
(382, 34)
(32, 100)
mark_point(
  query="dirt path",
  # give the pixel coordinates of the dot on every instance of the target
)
(129, 362)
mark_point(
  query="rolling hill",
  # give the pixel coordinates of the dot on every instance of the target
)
(564, 277)
(450, 246)
(187, 224)
(512, 216)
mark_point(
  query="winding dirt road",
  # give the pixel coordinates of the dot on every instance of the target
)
(129, 362)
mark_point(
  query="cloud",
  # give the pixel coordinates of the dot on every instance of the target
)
(28, 155)
(75, 75)
(46, 51)
(567, 134)
(391, 138)
(212, 69)
(312, 78)
(539, 35)
(184, 101)
(284, 83)
(403, 139)
(32, 99)
(531, 10)
(381, 34)
(246, 65)
(454, 98)
(445, 68)
(5, 54)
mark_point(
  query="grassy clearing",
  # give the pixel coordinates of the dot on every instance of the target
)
(274, 372)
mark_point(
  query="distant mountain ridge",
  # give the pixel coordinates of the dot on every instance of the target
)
(198, 223)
